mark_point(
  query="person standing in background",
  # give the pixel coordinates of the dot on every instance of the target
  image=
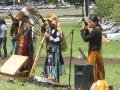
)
(14, 26)
(3, 37)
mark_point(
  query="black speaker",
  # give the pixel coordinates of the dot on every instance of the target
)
(83, 76)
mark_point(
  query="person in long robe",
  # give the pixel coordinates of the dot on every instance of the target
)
(54, 64)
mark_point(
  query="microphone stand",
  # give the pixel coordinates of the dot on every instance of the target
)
(71, 52)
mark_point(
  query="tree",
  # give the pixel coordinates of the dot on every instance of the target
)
(53, 1)
(104, 8)
(2, 1)
(115, 14)
(108, 9)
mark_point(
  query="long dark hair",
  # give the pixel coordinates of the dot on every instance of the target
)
(96, 20)
(2, 21)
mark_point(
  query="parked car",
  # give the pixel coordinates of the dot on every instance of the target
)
(17, 7)
(114, 36)
(113, 30)
(46, 6)
(107, 25)
(7, 7)
(1, 7)
(50, 6)
(41, 3)
(92, 6)
(63, 5)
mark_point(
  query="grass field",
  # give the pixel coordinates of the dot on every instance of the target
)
(110, 50)
(112, 77)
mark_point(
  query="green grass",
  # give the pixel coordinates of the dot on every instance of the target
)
(110, 50)
(112, 77)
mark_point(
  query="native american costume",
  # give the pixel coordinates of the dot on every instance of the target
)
(54, 64)
(22, 29)
(94, 54)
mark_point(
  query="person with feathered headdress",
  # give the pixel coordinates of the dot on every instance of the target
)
(22, 29)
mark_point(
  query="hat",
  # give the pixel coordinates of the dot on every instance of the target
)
(51, 17)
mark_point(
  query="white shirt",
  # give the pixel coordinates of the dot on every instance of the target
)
(3, 27)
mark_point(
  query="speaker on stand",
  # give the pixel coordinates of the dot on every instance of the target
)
(83, 76)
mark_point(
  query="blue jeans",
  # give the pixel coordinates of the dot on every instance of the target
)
(3, 42)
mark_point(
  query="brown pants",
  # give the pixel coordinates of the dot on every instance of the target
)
(95, 58)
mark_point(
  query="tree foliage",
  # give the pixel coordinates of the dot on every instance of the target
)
(115, 12)
(2, 1)
(104, 8)
(108, 9)
(53, 1)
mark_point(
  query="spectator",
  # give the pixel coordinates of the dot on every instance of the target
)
(3, 37)
(12, 34)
